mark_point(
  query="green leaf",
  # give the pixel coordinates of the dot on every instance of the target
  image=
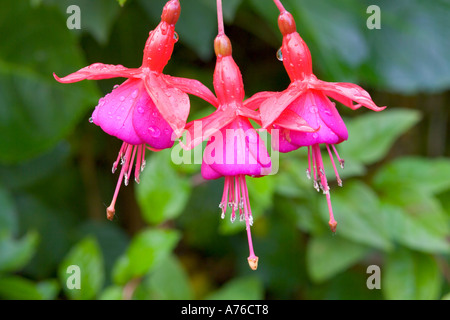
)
(426, 231)
(410, 51)
(8, 214)
(112, 292)
(159, 200)
(49, 289)
(147, 249)
(85, 255)
(408, 275)
(372, 134)
(329, 255)
(168, 281)
(96, 17)
(427, 175)
(15, 254)
(19, 288)
(244, 288)
(356, 209)
(36, 110)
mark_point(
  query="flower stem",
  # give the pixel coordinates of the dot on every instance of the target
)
(279, 6)
(221, 28)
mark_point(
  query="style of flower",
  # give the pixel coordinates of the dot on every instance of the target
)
(149, 110)
(308, 98)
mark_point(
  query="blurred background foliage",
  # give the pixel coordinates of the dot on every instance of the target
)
(167, 240)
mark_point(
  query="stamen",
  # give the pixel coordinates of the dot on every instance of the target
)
(137, 167)
(339, 181)
(341, 161)
(332, 223)
(110, 211)
(308, 171)
(252, 258)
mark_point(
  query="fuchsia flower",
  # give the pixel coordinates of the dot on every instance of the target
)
(235, 149)
(149, 110)
(308, 98)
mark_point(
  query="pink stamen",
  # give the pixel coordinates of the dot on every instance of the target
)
(252, 258)
(320, 168)
(308, 171)
(339, 181)
(130, 167)
(110, 211)
(137, 168)
(341, 161)
(332, 222)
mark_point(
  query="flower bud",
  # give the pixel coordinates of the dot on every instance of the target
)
(222, 45)
(286, 23)
(171, 12)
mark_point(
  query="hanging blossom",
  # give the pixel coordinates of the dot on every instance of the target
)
(235, 149)
(308, 98)
(148, 110)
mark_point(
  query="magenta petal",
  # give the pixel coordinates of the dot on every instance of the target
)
(237, 149)
(283, 143)
(99, 71)
(208, 172)
(172, 103)
(114, 111)
(150, 126)
(314, 107)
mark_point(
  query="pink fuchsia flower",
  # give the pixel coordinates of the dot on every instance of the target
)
(149, 110)
(234, 149)
(308, 98)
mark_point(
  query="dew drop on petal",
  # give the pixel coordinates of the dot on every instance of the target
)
(279, 55)
(315, 135)
(140, 110)
(122, 98)
(155, 132)
(175, 36)
(91, 120)
(116, 86)
(134, 94)
(313, 109)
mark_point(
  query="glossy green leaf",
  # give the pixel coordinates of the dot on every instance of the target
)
(408, 275)
(244, 288)
(147, 249)
(96, 17)
(15, 254)
(36, 111)
(329, 255)
(168, 281)
(89, 272)
(19, 288)
(425, 229)
(428, 175)
(372, 134)
(356, 209)
(159, 200)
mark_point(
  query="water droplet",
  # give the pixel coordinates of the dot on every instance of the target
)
(122, 98)
(116, 86)
(313, 109)
(175, 36)
(140, 110)
(134, 94)
(327, 112)
(279, 55)
(155, 114)
(91, 120)
(118, 118)
(315, 135)
(155, 132)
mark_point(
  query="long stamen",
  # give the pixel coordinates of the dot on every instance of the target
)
(252, 258)
(231, 191)
(308, 171)
(339, 181)
(137, 168)
(332, 222)
(320, 168)
(314, 170)
(133, 154)
(110, 211)
(341, 161)
(223, 203)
